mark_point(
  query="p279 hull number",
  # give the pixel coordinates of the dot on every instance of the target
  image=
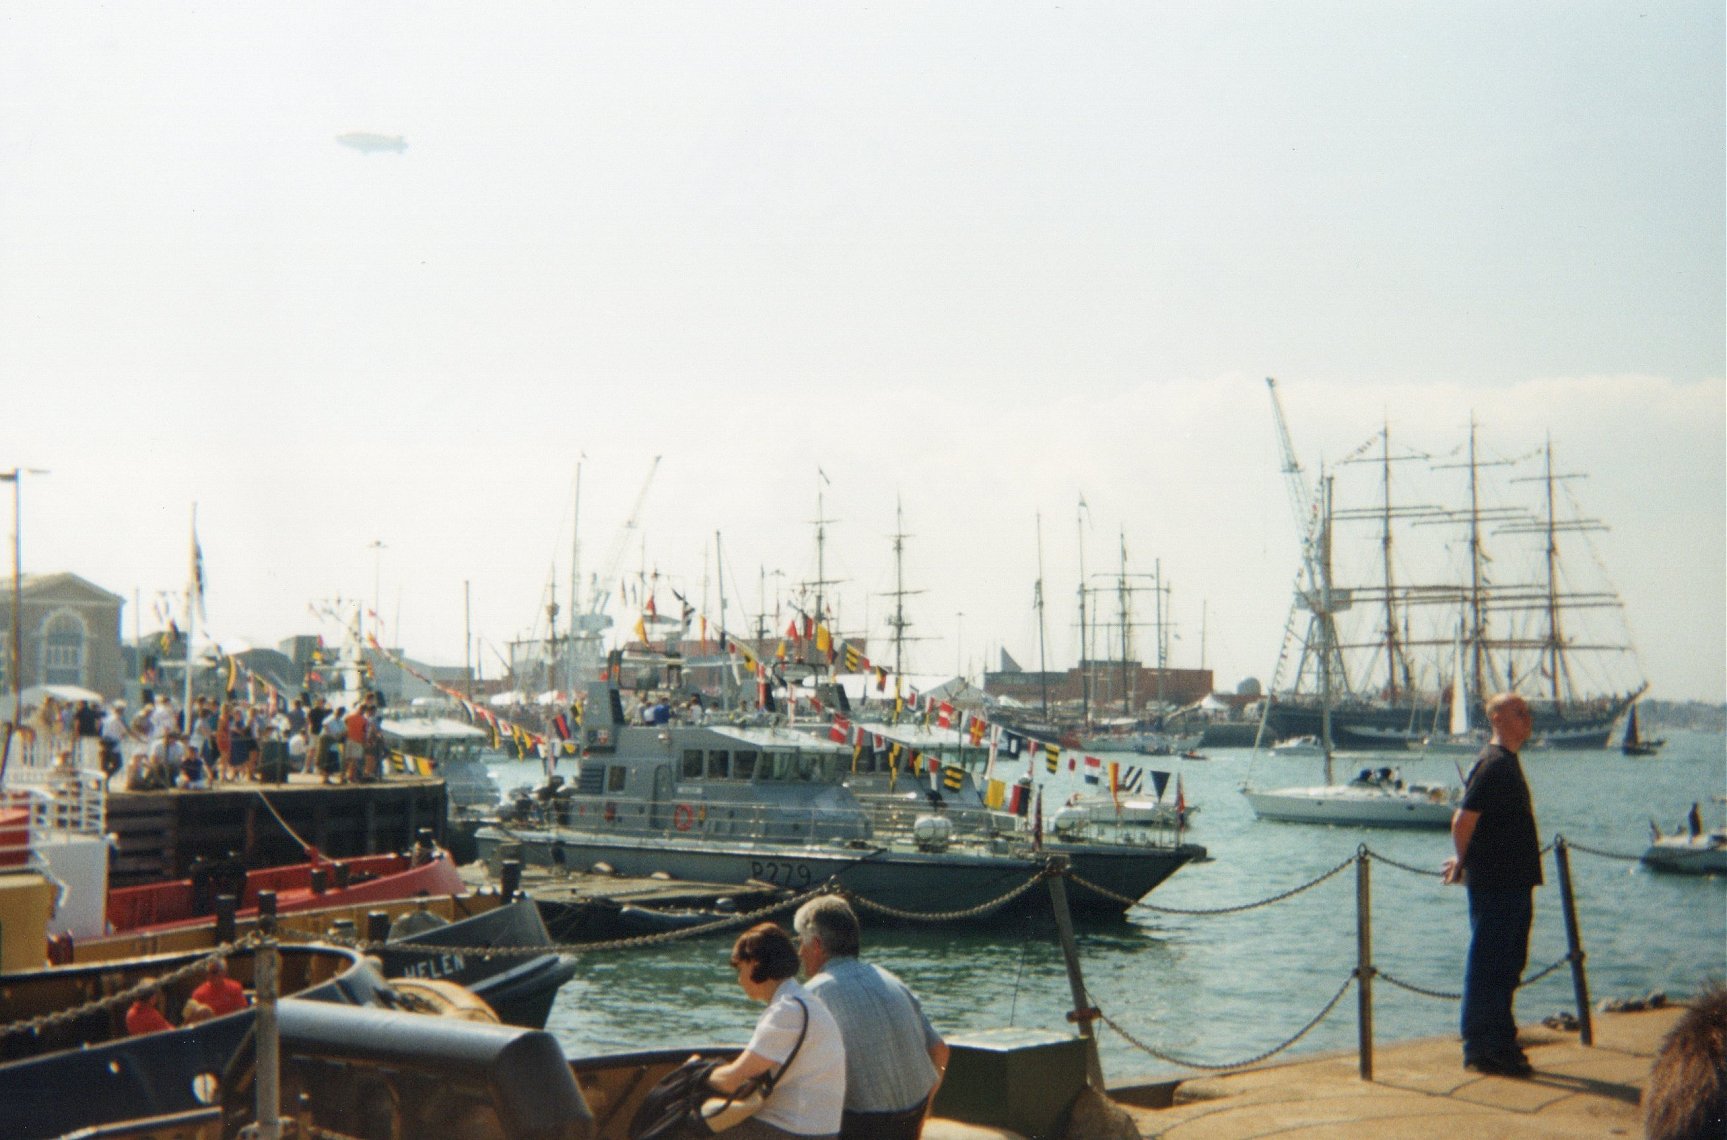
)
(782, 874)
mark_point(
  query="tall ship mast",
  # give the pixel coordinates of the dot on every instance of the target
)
(1385, 643)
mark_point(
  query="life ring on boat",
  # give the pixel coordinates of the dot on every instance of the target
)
(611, 812)
(683, 817)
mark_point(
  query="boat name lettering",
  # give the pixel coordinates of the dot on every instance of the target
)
(781, 874)
(440, 967)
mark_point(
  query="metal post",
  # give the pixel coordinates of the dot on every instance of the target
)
(1574, 941)
(1083, 1014)
(226, 908)
(1364, 962)
(377, 926)
(510, 879)
(269, 1044)
(267, 912)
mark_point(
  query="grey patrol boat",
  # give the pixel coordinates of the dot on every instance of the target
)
(725, 803)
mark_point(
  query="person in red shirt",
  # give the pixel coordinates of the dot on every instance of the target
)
(145, 1016)
(219, 994)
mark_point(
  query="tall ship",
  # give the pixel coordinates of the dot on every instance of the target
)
(1402, 634)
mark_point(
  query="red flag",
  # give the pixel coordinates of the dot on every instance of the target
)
(1180, 798)
(944, 715)
(792, 629)
(839, 730)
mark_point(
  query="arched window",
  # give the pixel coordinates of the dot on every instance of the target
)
(63, 638)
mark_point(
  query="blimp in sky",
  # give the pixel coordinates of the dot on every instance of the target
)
(368, 143)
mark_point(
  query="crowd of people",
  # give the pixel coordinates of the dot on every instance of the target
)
(221, 742)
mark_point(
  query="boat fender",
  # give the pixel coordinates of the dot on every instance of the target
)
(683, 816)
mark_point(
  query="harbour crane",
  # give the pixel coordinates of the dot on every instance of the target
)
(1314, 592)
(602, 590)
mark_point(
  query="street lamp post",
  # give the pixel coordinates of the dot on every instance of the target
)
(16, 478)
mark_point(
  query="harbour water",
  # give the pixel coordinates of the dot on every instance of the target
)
(1221, 989)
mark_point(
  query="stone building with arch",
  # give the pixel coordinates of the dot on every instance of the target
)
(71, 634)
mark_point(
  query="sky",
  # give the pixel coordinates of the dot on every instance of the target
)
(979, 261)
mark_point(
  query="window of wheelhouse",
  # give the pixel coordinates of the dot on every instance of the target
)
(616, 777)
(692, 765)
(719, 764)
(744, 765)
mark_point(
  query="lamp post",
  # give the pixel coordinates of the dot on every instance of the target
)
(959, 644)
(377, 547)
(16, 478)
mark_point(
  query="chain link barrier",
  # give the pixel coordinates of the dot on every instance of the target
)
(978, 911)
(664, 937)
(122, 999)
(1390, 862)
(1186, 1063)
(1202, 911)
(1573, 845)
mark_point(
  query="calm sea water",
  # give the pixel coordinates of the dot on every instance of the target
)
(1223, 989)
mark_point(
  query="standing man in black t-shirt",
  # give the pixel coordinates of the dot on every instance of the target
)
(1499, 860)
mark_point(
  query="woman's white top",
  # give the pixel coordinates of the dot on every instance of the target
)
(811, 1094)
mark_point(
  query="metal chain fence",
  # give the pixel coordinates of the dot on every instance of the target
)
(1186, 1063)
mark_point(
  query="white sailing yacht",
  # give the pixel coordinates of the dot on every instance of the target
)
(1377, 796)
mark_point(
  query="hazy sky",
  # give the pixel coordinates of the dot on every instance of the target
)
(986, 258)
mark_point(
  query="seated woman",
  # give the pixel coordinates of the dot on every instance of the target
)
(810, 1093)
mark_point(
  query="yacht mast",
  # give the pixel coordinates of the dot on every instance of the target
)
(897, 621)
(1121, 605)
(1037, 601)
(1084, 667)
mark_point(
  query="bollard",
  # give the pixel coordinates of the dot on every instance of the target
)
(510, 879)
(1364, 963)
(342, 876)
(226, 905)
(1083, 1014)
(320, 880)
(1574, 942)
(267, 912)
(377, 926)
(269, 1077)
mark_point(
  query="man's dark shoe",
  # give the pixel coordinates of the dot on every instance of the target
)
(1511, 1065)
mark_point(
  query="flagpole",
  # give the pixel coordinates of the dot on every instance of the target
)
(193, 589)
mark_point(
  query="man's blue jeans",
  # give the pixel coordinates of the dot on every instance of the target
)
(1499, 922)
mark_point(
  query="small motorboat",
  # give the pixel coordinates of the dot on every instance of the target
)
(1692, 851)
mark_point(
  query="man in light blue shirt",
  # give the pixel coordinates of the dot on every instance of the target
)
(894, 1056)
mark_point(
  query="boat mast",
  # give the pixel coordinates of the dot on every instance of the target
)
(1327, 631)
(898, 622)
(575, 583)
(1121, 605)
(1084, 671)
(1393, 652)
(1477, 618)
(1037, 601)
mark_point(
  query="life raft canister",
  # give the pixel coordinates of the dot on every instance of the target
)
(683, 816)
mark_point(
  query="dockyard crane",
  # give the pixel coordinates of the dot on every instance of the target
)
(1314, 592)
(1300, 495)
(602, 592)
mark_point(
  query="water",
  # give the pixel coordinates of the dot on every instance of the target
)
(1223, 989)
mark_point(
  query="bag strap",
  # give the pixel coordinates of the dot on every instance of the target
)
(770, 1080)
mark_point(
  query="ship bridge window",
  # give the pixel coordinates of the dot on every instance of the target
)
(616, 776)
(775, 766)
(744, 765)
(692, 766)
(719, 765)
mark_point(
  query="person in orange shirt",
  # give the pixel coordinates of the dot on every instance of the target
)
(145, 1015)
(219, 994)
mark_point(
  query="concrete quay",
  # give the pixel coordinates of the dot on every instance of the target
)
(1420, 1091)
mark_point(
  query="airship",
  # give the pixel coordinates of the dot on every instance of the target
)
(368, 143)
